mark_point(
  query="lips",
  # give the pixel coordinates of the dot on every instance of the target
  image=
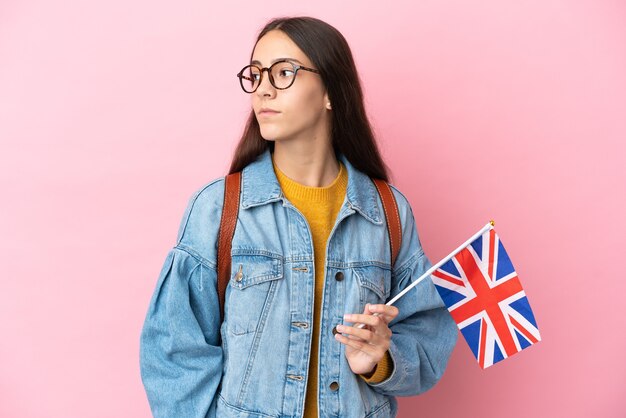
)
(267, 112)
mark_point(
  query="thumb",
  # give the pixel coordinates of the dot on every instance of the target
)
(366, 310)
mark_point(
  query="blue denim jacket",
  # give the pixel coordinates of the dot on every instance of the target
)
(255, 363)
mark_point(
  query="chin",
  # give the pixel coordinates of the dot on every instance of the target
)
(269, 134)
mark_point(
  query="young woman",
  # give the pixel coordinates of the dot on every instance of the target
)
(310, 259)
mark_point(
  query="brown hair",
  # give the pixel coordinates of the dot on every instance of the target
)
(351, 133)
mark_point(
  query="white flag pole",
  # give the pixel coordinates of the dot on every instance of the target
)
(431, 270)
(442, 262)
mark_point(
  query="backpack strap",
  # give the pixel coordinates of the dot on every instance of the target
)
(391, 216)
(232, 189)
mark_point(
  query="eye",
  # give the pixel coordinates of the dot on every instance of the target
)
(283, 70)
(255, 74)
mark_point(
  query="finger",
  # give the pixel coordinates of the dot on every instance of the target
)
(371, 320)
(360, 333)
(366, 310)
(386, 311)
(382, 330)
(369, 349)
(366, 336)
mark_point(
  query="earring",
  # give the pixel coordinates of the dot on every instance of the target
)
(328, 106)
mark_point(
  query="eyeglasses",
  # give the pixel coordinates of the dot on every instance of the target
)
(282, 75)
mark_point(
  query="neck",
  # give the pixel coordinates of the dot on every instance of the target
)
(309, 164)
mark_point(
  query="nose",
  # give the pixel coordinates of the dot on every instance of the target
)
(265, 88)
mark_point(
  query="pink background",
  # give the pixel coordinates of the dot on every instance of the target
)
(113, 113)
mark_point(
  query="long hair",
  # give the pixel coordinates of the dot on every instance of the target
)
(351, 133)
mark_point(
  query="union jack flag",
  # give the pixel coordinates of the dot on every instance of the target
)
(485, 297)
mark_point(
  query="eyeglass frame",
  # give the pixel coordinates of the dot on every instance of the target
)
(296, 68)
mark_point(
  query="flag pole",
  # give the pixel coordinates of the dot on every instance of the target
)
(431, 270)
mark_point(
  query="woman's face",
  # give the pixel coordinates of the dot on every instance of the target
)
(297, 113)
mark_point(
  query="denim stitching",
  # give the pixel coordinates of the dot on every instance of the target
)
(255, 342)
(191, 205)
(208, 264)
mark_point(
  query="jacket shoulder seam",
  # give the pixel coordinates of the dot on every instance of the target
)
(192, 203)
(193, 254)
(406, 200)
(407, 264)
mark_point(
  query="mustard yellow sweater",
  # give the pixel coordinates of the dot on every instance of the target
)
(320, 206)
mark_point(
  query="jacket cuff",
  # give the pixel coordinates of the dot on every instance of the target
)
(381, 371)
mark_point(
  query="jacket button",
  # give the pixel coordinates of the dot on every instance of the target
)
(334, 386)
(335, 330)
(339, 276)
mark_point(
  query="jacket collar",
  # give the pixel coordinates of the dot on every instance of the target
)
(259, 186)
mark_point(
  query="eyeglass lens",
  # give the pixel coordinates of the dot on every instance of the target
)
(282, 75)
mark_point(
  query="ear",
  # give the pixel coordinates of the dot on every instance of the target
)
(327, 103)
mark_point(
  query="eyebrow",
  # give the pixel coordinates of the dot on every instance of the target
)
(255, 62)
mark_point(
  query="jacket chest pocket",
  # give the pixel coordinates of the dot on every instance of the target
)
(252, 286)
(374, 284)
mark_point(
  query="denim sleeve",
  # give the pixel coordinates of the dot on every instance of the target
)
(180, 352)
(424, 333)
